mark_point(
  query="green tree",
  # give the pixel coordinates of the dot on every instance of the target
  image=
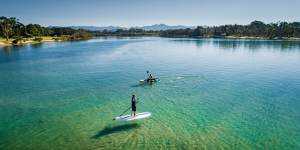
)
(34, 30)
(19, 30)
(6, 26)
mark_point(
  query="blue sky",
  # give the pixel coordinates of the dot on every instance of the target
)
(147, 12)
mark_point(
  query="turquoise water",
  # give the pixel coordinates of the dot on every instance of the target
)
(213, 94)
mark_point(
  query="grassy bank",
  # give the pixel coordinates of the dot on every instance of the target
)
(41, 39)
(21, 41)
(260, 37)
(234, 37)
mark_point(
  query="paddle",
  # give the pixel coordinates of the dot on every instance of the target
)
(147, 74)
(127, 109)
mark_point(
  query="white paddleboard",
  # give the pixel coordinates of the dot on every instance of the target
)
(130, 118)
(153, 80)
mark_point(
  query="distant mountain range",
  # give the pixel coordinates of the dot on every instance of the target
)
(95, 28)
(155, 27)
(159, 27)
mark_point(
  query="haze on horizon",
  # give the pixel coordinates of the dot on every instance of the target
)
(139, 13)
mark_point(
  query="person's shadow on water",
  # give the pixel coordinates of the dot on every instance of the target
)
(110, 130)
(143, 84)
(139, 85)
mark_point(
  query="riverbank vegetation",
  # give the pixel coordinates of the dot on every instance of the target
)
(13, 32)
(127, 32)
(256, 29)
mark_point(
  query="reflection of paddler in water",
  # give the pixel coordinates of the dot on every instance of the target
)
(133, 105)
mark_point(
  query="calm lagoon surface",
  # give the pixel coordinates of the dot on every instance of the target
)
(212, 94)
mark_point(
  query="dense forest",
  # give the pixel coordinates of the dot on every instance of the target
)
(278, 30)
(11, 28)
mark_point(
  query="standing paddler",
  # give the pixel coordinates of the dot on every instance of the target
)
(133, 105)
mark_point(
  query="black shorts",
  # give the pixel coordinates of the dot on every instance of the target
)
(133, 108)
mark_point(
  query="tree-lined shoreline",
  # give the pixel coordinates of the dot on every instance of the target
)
(256, 29)
(13, 32)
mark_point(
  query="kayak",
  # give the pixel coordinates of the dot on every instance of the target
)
(130, 118)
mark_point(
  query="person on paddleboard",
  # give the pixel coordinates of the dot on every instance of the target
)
(133, 105)
(150, 78)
